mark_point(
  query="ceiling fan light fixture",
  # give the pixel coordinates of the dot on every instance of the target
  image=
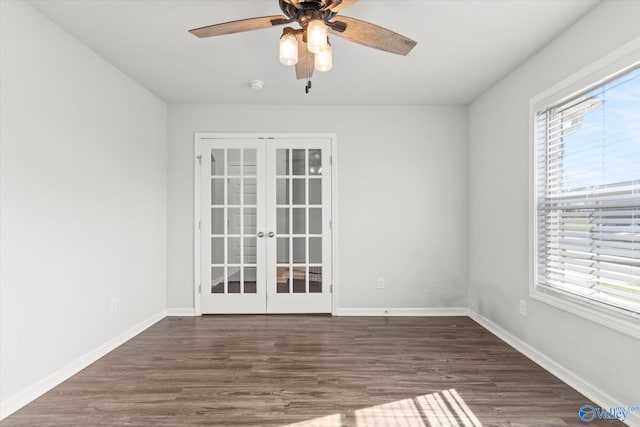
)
(316, 35)
(288, 48)
(324, 59)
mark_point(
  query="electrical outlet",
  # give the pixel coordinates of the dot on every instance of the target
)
(113, 305)
(380, 282)
(523, 307)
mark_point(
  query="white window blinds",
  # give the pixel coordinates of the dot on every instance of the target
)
(588, 194)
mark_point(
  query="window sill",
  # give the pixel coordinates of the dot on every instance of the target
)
(622, 321)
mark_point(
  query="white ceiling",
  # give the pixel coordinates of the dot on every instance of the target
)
(464, 47)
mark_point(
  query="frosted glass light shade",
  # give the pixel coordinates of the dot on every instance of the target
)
(316, 36)
(288, 49)
(324, 59)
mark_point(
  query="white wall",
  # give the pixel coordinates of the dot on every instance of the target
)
(401, 201)
(499, 207)
(83, 202)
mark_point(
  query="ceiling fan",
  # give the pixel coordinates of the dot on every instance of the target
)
(308, 47)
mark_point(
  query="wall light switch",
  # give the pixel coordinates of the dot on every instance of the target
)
(380, 282)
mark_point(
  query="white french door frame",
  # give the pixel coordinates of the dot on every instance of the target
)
(197, 165)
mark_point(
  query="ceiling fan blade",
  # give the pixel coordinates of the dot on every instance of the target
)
(306, 59)
(371, 35)
(240, 26)
(341, 4)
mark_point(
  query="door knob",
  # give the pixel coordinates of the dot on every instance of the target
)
(261, 234)
(271, 234)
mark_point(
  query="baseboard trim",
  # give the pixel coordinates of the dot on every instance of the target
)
(12, 404)
(579, 384)
(403, 311)
(181, 312)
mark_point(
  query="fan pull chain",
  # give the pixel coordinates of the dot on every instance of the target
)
(309, 68)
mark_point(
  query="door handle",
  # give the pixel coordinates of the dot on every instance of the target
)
(271, 234)
(261, 234)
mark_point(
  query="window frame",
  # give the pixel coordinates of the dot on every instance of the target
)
(617, 62)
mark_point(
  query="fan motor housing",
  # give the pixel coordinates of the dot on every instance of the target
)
(305, 11)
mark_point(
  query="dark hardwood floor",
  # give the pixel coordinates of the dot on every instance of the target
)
(313, 370)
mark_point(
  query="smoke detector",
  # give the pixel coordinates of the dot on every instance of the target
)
(256, 84)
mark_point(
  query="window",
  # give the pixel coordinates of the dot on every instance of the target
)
(587, 195)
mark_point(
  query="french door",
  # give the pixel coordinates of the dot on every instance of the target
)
(265, 225)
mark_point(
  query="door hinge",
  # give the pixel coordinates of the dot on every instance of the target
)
(199, 225)
(330, 224)
(199, 159)
(199, 289)
(330, 289)
(331, 160)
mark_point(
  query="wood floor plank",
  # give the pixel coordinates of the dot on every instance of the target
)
(309, 371)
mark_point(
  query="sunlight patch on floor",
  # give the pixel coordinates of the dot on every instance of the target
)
(441, 409)
(334, 420)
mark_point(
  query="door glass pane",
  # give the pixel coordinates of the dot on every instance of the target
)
(233, 161)
(299, 221)
(250, 218)
(217, 220)
(298, 192)
(299, 250)
(249, 191)
(233, 191)
(315, 280)
(249, 162)
(315, 162)
(282, 220)
(217, 280)
(233, 219)
(299, 162)
(282, 191)
(250, 283)
(315, 250)
(233, 280)
(217, 191)
(250, 250)
(282, 280)
(217, 162)
(282, 250)
(299, 280)
(315, 221)
(217, 250)
(282, 162)
(315, 192)
(233, 250)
